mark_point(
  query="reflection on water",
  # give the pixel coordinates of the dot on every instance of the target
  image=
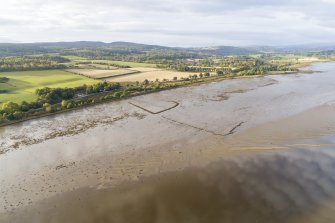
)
(291, 186)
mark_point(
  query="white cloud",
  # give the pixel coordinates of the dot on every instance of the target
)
(329, 1)
(170, 22)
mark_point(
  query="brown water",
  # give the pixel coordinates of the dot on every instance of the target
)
(246, 150)
(291, 186)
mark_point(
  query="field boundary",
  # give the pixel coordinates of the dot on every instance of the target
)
(131, 72)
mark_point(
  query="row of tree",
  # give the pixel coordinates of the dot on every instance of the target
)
(49, 99)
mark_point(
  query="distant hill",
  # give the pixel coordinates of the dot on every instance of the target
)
(309, 47)
(226, 50)
(138, 46)
(8, 49)
(13, 49)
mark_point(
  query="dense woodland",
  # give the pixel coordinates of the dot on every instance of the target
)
(25, 63)
(240, 66)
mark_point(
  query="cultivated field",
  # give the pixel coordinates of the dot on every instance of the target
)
(22, 85)
(144, 69)
(151, 76)
(100, 74)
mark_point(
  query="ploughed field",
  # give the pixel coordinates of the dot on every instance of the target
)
(151, 76)
(122, 71)
(132, 74)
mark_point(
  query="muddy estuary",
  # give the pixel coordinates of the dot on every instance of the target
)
(243, 150)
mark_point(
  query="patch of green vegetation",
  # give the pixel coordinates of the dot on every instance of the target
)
(72, 57)
(22, 85)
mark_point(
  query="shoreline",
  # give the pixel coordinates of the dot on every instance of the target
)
(202, 81)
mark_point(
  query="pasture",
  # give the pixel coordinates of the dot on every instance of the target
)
(21, 86)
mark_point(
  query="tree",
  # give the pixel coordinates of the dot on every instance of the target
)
(146, 82)
(10, 107)
(219, 72)
(117, 94)
(64, 103)
(18, 115)
(47, 107)
(69, 105)
(25, 106)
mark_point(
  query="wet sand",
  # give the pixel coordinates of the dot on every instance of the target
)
(89, 154)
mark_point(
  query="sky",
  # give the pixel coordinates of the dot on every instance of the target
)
(170, 22)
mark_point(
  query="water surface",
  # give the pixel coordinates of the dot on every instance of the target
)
(243, 150)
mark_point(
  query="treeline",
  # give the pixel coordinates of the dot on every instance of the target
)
(11, 49)
(107, 64)
(25, 63)
(50, 99)
(261, 67)
(56, 95)
(131, 55)
(241, 65)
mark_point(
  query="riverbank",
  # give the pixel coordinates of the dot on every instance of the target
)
(104, 97)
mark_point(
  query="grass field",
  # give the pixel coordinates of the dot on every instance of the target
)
(22, 85)
(70, 57)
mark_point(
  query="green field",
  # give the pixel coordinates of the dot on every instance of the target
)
(71, 57)
(22, 85)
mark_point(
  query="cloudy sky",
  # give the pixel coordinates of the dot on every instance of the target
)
(170, 22)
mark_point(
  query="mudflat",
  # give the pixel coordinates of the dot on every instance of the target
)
(225, 141)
